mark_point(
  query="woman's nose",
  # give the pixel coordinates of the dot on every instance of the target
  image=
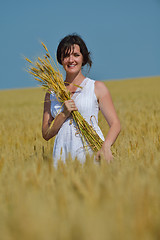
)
(70, 57)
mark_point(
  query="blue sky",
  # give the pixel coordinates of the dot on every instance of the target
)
(122, 35)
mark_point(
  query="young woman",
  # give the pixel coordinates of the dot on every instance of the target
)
(91, 96)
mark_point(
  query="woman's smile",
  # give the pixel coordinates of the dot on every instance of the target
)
(72, 62)
(71, 65)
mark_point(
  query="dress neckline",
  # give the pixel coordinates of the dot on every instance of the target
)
(79, 89)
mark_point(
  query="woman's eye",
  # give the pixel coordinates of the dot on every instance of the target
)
(76, 55)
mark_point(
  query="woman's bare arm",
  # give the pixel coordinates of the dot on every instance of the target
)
(109, 112)
(49, 131)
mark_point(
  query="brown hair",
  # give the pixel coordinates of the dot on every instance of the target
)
(66, 44)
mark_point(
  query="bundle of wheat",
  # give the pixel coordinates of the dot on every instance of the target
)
(47, 73)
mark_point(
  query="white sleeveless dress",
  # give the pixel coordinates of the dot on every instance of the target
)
(67, 141)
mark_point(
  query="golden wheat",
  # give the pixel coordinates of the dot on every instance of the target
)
(117, 201)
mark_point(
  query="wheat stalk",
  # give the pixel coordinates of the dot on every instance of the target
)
(47, 73)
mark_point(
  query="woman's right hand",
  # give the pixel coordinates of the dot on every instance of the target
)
(69, 106)
(49, 131)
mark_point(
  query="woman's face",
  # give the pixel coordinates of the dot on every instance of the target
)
(72, 63)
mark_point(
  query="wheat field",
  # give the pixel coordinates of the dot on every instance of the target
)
(116, 201)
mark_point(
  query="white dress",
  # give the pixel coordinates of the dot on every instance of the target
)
(67, 141)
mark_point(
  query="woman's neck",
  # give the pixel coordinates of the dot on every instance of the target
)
(75, 78)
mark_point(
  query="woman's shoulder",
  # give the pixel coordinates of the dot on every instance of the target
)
(101, 88)
(100, 85)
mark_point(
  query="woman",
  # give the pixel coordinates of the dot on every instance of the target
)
(88, 98)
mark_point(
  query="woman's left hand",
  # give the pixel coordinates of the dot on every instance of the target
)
(105, 152)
